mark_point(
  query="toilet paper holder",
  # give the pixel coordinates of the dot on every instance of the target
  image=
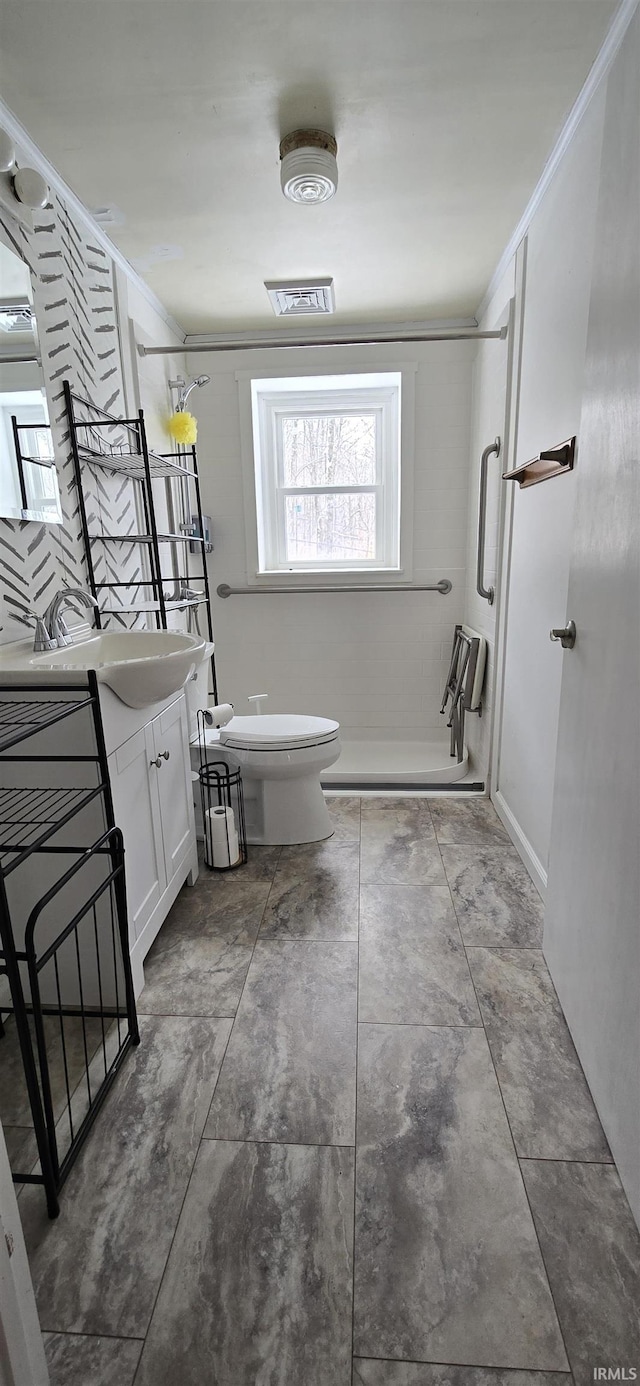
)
(223, 816)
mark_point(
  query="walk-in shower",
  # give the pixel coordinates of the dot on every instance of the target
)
(368, 762)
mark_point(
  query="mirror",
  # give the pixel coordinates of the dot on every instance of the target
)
(28, 477)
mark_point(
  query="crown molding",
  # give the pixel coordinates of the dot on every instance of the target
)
(29, 150)
(598, 72)
(328, 332)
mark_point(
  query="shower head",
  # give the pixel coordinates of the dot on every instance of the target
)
(199, 381)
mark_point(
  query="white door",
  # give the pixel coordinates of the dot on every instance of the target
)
(173, 777)
(592, 925)
(136, 804)
(549, 400)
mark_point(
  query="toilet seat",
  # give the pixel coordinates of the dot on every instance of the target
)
(278, 732)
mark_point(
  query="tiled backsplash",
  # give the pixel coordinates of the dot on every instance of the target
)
(75, 307)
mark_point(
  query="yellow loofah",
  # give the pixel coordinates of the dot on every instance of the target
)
(183, 427)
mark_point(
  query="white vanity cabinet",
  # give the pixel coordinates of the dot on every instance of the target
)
(152, 793)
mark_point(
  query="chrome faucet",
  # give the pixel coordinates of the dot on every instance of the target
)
(52, 631)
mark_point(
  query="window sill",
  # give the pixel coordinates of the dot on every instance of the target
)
(324, 574)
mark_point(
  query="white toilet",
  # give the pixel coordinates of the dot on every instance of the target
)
(281, 756)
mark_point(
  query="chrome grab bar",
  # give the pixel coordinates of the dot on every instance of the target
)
(443, 586)
(487, 592)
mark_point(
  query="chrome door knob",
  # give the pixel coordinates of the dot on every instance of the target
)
(566, 635)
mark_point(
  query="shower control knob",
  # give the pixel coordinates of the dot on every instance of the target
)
(566, 635)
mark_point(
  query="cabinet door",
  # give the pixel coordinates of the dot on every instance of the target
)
(171, 745)
(136, 803)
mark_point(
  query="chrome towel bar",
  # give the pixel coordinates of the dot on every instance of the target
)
(443, 586)
(487, 592)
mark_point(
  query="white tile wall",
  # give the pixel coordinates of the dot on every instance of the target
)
(148, 388)
(375, 661)
(488, 422)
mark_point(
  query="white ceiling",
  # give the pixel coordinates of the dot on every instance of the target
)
(172, 111)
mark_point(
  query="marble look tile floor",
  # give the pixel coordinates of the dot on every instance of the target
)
(355, 1147)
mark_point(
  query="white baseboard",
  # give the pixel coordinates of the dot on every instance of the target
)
(521, 843)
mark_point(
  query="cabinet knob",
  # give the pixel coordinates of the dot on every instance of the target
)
(165, 754)
(157, 762)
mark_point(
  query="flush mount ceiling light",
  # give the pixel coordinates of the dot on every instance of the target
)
(30, 188)
(22, 190)
(291, 298)
(308, 168)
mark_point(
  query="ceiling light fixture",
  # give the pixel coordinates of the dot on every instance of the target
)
(22, 190)
(308, 168)
(30, 187)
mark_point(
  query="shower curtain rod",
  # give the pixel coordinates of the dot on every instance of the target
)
(20, 360)
(457, 334)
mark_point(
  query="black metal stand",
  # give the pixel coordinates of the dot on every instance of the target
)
(119, 446)
(223, 820)
(24, 460)
(67, 958)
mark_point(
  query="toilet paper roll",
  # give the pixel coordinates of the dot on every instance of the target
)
(221, 845)
(219, 715)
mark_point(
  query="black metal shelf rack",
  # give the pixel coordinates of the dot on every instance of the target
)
(65, 969)
(29, 459)
(119, 446)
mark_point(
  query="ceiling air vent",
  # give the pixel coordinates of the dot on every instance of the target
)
(293, 300)
(16, 316)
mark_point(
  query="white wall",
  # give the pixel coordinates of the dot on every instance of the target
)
(147, 377)
(375, 663)
(147, 387)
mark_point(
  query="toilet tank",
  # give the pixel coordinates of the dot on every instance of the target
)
(197, 690)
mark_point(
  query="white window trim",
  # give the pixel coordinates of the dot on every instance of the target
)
(298, 573)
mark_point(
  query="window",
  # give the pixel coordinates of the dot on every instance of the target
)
(327, 472)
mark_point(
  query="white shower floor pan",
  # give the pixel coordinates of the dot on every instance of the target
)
(395, 762)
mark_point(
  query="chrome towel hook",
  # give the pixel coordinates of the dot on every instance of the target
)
(566, 635)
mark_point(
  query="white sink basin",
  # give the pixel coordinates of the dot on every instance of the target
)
(141, 667)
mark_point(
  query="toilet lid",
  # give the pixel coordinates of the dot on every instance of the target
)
(278, 731)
